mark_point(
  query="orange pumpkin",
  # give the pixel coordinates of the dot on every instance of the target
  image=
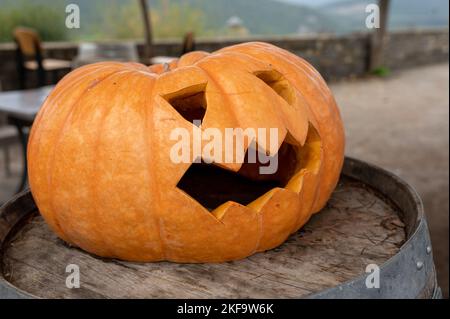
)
(100, 171)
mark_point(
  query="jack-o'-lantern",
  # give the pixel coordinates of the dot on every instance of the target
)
(102, 177)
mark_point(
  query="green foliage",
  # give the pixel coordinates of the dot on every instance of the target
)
(121, 19)
(169, 20)
(48, 20)
(382, 71)
(262, 17)
(101, 19)
(174, 20)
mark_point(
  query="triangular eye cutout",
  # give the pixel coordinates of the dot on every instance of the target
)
(277, 82)
(189, 102)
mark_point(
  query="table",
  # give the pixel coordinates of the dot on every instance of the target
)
(99, 52)
(21, 108)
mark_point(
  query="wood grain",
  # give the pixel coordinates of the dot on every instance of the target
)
(358, 227)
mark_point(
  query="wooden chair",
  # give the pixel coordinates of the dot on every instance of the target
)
(30, 57)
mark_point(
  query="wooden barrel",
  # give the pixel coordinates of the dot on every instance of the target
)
(373, 218)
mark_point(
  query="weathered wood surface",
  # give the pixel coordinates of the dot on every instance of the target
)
(357, 228)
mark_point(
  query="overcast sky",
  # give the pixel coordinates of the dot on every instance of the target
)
(311, 3)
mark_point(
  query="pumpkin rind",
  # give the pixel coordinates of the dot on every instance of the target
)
(99, 165)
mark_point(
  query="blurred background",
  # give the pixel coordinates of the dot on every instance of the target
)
(120, 19)
(391, 82)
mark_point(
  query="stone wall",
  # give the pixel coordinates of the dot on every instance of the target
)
(406, 49)
(335, 57)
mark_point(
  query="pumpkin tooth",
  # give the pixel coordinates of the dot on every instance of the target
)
(223, 212)
(234, 167)
(279, 210)
(220, 211)
(307, 197)
(261, 201)
(291, 107)
(261, 146)
(295, 184)
(265, 144)
(297, 120)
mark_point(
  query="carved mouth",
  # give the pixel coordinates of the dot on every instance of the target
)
(212, 186)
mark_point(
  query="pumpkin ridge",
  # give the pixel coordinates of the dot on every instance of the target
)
(149, 126)
(59, 138)
(55, 95)
(40, 127)
(95, 189)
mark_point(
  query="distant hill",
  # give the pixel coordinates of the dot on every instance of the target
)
(103, 19)
(310, 3)
(259, 17)
(429, 13)
(264, 16)
(350, 14)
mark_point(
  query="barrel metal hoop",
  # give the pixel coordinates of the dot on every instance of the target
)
(8, 291)
(400, 276)
(13, 212)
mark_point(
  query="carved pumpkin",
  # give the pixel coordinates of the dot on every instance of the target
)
(100, 171)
